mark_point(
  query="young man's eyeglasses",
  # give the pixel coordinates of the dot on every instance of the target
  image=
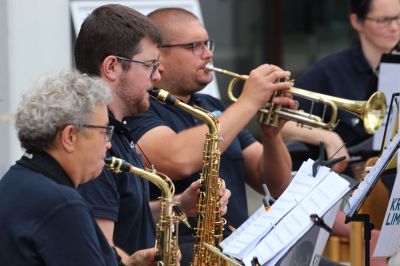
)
(198, 48)
(107, 133)
(151, 63)
(385, 21)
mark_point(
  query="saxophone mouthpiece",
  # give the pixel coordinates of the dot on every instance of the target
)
(117, 165)
(154, 92)
(163, 96)
(108, 161)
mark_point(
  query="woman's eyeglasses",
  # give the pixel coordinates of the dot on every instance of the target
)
(385, 21)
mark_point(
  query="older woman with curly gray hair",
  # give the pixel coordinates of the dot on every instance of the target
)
(62, 123)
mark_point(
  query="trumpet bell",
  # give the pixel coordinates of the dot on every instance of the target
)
(374, 114)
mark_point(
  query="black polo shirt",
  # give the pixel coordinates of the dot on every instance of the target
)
(124, 197)
(44, 220)
(232, 168)
(347, 75)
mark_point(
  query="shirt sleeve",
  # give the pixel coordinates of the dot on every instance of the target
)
(140, 124)
(102, 195)
(245, 139)
(68, 237)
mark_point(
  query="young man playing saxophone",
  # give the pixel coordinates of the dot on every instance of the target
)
(173, 140)
(120, 45)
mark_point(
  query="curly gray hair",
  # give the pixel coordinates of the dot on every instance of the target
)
(55, 102)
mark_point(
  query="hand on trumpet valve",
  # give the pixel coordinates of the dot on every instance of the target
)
(261, 86)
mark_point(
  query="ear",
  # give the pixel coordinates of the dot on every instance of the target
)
(110, 68)
(67, 138)
(355, 22)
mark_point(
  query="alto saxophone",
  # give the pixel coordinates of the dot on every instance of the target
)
(210, 224)
(167, 227)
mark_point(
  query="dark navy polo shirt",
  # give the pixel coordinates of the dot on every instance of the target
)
(232, 168)
(347, 75)
(124, 197)
(44, 220)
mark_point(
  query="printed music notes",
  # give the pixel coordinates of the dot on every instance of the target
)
(266, 235)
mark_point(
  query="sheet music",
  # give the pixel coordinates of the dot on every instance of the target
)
(249, 233)
(266, 234)
(388, 83)
(354, 201)
(297, 243)
(297, 222)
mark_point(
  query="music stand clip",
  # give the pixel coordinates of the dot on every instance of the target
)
(321, 160)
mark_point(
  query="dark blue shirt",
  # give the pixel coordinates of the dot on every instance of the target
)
(124, 197)
(347, 75)
(232, 168)
(44, 220)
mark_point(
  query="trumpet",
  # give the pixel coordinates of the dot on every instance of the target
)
(372, 111)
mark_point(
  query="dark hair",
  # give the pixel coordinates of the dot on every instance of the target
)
(360, 7)
(111, 30)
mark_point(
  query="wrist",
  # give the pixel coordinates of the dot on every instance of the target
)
(270, 136)
(177, 200)
(117, 257)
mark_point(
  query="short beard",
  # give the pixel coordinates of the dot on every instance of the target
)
(133, 104)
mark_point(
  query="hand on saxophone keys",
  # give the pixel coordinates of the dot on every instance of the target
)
(187, 201)
(224, 195)
(145, 257)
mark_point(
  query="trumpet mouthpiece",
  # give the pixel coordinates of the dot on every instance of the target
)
(209, 67)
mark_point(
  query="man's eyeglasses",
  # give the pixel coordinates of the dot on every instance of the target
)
(151, 63)
(385, 21)
(198, 48)
(108, 130)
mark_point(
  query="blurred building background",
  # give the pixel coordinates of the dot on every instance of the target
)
(291, 34)
(36, 38)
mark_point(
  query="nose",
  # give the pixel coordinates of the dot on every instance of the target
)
(395, 24)
(108, 145)
(207, 54)
(156, 75)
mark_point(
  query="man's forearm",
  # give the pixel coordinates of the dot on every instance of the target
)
(276, 166)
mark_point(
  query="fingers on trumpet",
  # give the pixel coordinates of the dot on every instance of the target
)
(264, 81)
(286, 100)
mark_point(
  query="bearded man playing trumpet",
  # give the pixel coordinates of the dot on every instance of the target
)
(173, 140)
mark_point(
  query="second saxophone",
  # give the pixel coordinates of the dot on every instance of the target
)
(167, 227)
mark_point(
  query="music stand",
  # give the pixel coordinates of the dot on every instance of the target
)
(352, 212)
(307, 250)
